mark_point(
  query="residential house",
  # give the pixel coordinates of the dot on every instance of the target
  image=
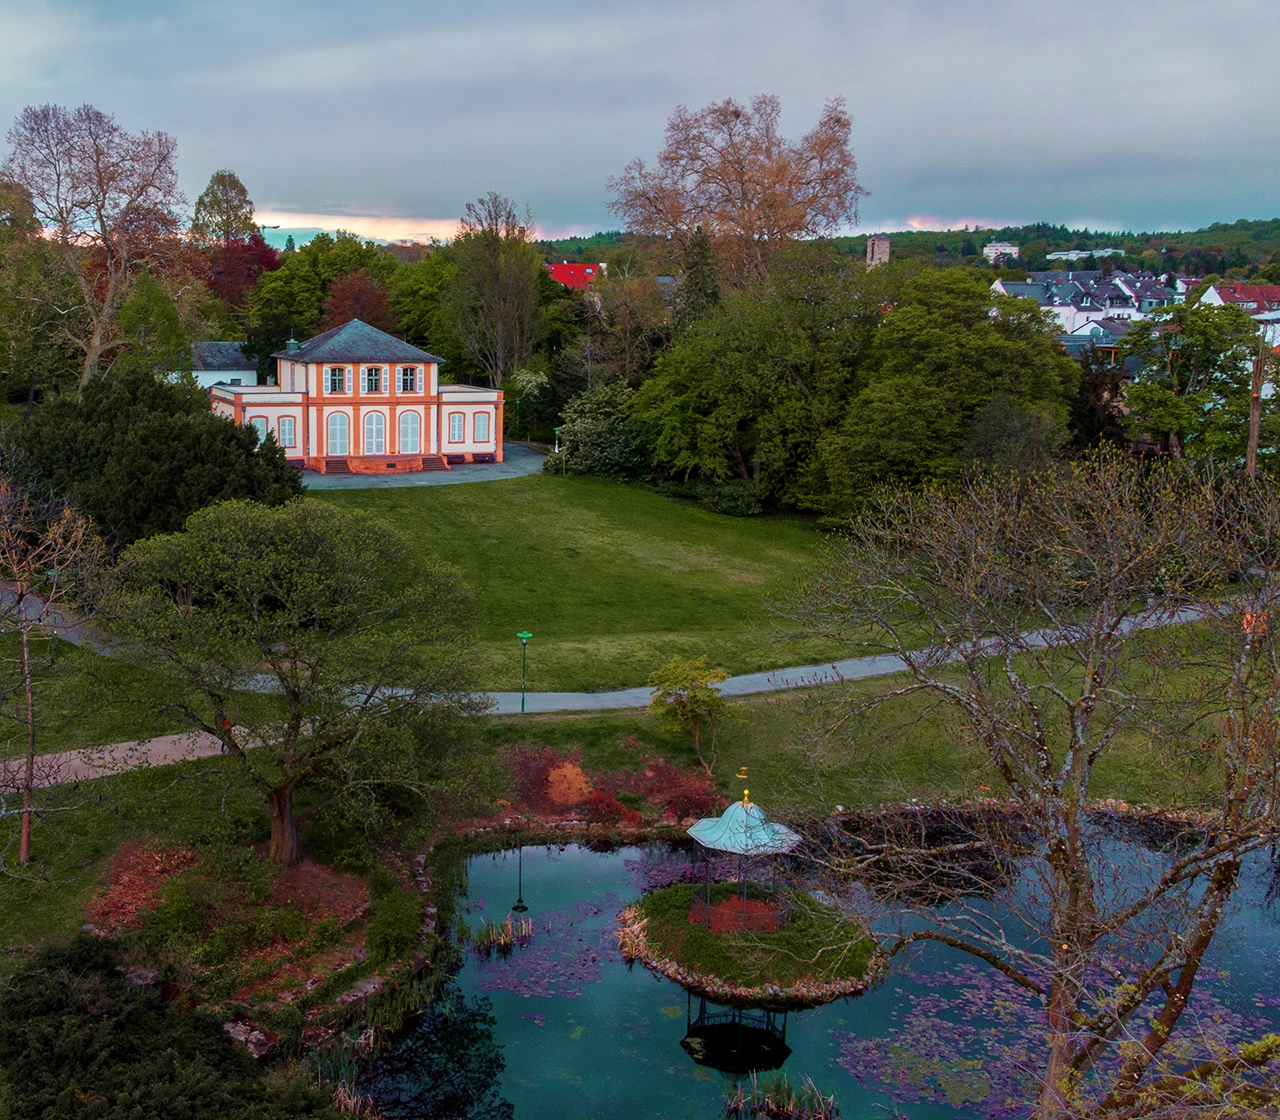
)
(1103, 335)
(225, 363)
(1253, 298)
(358, 400)
(1077, 298)
(576, 275)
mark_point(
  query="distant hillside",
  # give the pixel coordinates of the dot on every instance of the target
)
(576, 249)
(1236, 249)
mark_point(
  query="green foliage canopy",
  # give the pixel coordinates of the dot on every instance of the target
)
(140, 452)
(314, 643)
(1192, 390)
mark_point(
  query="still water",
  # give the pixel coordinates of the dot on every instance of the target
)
(563, 1027)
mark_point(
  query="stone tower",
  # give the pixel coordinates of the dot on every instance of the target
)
(877, 249)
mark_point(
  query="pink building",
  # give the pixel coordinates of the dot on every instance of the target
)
(356, 399)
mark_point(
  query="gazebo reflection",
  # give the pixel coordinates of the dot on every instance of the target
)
(733, 1040)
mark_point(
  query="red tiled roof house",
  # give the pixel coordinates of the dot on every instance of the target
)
(356, 399)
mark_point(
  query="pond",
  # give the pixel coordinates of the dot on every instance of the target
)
(563, 1027)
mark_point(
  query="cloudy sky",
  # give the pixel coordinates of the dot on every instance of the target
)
(387, 116)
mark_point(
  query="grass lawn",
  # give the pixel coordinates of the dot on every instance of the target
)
(612, 581)
(82, 700)
(888, 757)
(193, 803)
(797, 953)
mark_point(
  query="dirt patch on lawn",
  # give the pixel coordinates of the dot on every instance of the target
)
(136, 877)
(319, 892)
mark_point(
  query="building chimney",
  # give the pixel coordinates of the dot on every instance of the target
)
(291, 345)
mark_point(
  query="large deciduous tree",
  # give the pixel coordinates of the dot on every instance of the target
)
(727, 169)
(108, 197)
(140, 452)
(495, 291)
(1192, 391)
(1061, 618)
(41, 310)
(313, 643)
(224, 211)
(224, 226)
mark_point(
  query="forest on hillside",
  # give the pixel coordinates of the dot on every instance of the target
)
(1236, 250)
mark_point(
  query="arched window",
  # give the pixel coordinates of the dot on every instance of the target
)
(375, 433)
(286, 430)
(410, 433)
(260, 426)
(482, 427)
(457, 427)
(338, 434)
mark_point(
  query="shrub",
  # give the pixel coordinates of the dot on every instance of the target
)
(595, 437)
(290, 925)
(337, 843)
(740, 497)
(395, 923)
(185, 911)
(382, 882)
(603, 807)
(77, 1039)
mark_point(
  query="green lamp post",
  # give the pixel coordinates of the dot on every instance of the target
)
(524, 637)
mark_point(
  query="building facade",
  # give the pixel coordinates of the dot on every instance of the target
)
(358, 400)
(996, 251)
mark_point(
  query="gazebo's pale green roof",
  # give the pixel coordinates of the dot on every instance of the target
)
(743, 830)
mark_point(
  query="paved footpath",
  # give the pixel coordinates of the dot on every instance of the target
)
(115, 758)
(776, 680)
(518, 460)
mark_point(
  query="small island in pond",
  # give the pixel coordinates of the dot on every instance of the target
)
(817, 955)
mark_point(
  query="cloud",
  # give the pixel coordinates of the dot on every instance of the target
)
(377, 228)
(1145, 114)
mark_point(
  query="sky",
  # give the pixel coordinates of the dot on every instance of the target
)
(387, 116)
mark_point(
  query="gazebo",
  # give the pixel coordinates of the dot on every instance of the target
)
(744, 831)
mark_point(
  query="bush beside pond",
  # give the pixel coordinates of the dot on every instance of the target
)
(818, 955)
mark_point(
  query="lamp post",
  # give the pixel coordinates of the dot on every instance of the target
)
(524, 637)
(520, 907)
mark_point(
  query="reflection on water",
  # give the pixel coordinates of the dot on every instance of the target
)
(564, 1028)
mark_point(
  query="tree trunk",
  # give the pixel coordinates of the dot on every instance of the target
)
(1255, 415)
(29, 775)
(284, 828)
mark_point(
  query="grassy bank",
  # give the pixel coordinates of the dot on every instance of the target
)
(612, 581)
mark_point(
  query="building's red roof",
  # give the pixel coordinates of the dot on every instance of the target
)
(575, 275)
(1251, 297)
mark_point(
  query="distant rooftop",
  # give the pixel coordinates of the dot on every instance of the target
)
(210, 357)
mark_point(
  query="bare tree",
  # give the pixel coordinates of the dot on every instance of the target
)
(47, 552)
(109, 197)
(495, 291)
(727, 169)
(1057, 618)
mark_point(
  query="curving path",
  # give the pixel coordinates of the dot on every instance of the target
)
(748, 684)
(115, 758)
